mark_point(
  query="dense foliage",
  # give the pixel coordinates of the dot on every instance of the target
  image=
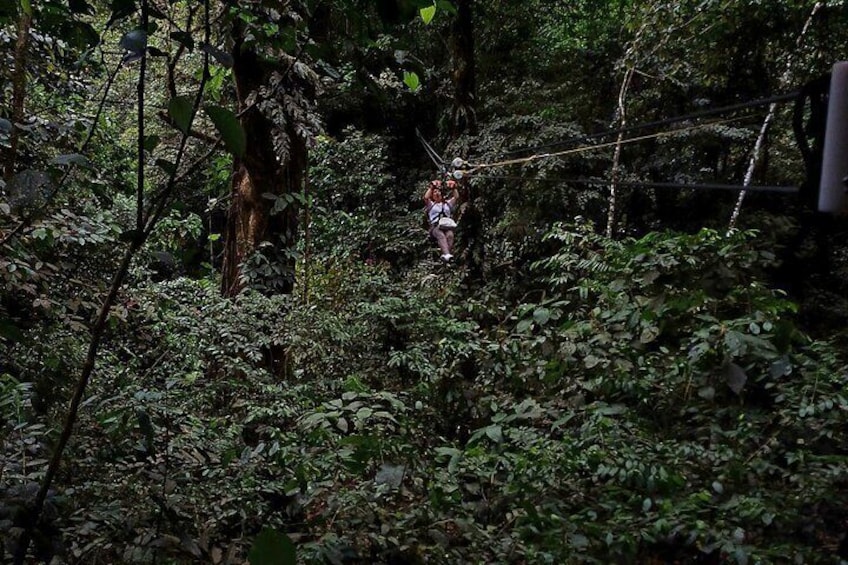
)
(674, 393)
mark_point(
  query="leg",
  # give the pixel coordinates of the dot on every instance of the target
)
(441, 240)
(449, 238)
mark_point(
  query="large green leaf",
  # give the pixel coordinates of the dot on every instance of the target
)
(121, 9)
(446, 6)
(272, 548)
(180, 109)
(428, 13)
(230, 129)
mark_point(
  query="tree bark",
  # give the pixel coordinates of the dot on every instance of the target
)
(463, 113)
(616, 159)
(258, 178)
(18, 89)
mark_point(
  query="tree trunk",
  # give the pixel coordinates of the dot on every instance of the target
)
(463, 114)
(616, 158)
(258, 250)
(18, 89)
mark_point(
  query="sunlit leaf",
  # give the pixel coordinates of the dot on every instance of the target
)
(428, 13)
(411, 80)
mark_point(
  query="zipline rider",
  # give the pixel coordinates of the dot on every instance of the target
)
(438, 211)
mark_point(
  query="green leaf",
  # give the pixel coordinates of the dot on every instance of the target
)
(272, 548)
(446, 6)
(288, 39)
(5, 126)
(120, 9)
(230, 129)
(180, 109)
(735, 377)
(541, 316)
(80, 35)
(26, 7)
(649, 334)
(150, 142)
(391, 475)
(70, 159)
(80, 7)
(166, 166)
(411, 80)
(10, 331)
(223, 58)
(184, 38)
(428, 13)
(495, 433)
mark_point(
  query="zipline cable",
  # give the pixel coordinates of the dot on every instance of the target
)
(474, 167)
(647, 184)
(691, 116)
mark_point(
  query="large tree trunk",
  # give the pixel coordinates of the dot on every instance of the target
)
(260, 177)
(463, 113)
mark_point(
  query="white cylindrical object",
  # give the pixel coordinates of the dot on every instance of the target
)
(832, 190)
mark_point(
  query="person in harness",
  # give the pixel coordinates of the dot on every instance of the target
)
(438, 210)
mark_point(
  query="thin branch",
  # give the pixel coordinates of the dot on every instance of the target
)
(139, 191)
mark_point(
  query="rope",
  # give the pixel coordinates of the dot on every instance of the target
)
(479, 166)
(440, 163)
